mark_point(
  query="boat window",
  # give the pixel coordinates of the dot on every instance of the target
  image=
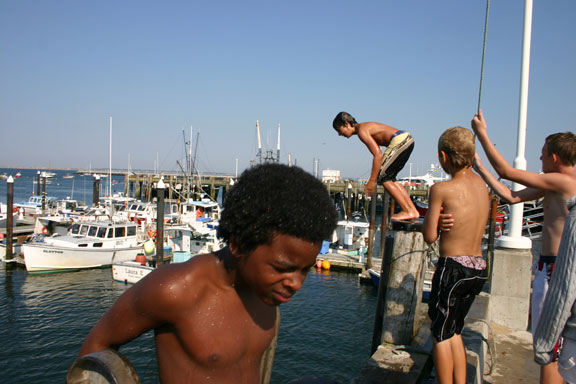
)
(110, 234)
(97, 245)
(131, 231)
(120, 232)
(92, 231)
(83, 230)
(102, 232)
(75, 229)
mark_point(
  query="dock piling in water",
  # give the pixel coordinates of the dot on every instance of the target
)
(9, 217)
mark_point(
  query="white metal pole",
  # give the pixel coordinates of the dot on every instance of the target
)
(110, 163)
(514, 238)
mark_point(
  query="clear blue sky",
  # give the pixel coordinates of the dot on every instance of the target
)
(159, 67)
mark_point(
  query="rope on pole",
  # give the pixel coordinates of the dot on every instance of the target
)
(483, 53)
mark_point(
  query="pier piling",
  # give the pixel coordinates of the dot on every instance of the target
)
(9, 217)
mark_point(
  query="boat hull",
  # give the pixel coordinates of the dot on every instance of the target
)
(41, 258)
(130, 271)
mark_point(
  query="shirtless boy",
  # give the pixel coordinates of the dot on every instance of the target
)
(215, 315)
(385, 167)
(556, 185)
(461, 271)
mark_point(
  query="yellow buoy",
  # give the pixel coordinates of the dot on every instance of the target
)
(149, 247)
(325, 264)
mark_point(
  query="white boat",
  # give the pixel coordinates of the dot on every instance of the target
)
(87, 245)
(34, 205)
(130, 272)
(4, 216)
(197, 213)
(182, 242)
(16, 253)
(352, 233)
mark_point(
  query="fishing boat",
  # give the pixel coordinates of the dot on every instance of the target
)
(34, 205)
(197, 213)
(182, 242)
(87, 245)
(4, 216)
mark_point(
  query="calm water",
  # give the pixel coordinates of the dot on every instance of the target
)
(77, 188)
(326, 329)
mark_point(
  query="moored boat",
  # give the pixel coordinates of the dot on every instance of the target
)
(182, 242)
(87, 245)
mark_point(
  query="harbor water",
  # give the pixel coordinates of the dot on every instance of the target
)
(326, 329)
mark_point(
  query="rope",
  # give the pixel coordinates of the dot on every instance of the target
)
(483, 52)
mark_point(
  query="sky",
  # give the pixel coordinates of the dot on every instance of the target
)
(203, 72)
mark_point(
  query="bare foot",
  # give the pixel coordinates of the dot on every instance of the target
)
(404, 216)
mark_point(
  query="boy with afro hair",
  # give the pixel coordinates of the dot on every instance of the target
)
(215, 316)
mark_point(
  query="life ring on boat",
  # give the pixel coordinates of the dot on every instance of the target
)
(44, 230)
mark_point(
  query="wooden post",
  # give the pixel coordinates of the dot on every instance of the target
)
(149, 188)
(384, 226)
(9, 217)
(126, 185)
(43, 194)
(491, 234)
(386, 253)
(38, 183)
(96, 192)
(371, 231)
(349, 199)
(160, 223)
(403, 297)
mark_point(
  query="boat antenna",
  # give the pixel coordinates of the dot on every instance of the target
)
(483, 53)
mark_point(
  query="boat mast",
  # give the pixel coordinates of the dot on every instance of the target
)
(278, 146)
(259, 155)
(110, 171)
(190, 164)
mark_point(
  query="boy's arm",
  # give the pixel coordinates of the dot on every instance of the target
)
(505, 193)
(365, 136)
(546, 181)
(430, 225)
(136, 311)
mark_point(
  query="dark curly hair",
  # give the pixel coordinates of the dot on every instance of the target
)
(271, 199)
(342, 118)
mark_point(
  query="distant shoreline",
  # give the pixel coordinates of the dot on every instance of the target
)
(39, 168)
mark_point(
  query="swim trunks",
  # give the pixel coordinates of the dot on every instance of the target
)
(544, 268)
(454, 288)
(395, 156)
(543, 272)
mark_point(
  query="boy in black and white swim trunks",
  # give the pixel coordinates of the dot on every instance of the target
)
(461, 271)
(385, 167)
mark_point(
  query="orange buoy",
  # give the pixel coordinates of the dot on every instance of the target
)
(140, 258)
(325, 264)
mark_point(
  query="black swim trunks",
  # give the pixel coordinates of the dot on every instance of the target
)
(454, 288)
(395, 156)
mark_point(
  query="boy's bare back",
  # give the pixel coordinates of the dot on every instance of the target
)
(380, 133)
(466, 198)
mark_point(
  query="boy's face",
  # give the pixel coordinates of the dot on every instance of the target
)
(547, 160)
(345, 130)
(276, 271)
